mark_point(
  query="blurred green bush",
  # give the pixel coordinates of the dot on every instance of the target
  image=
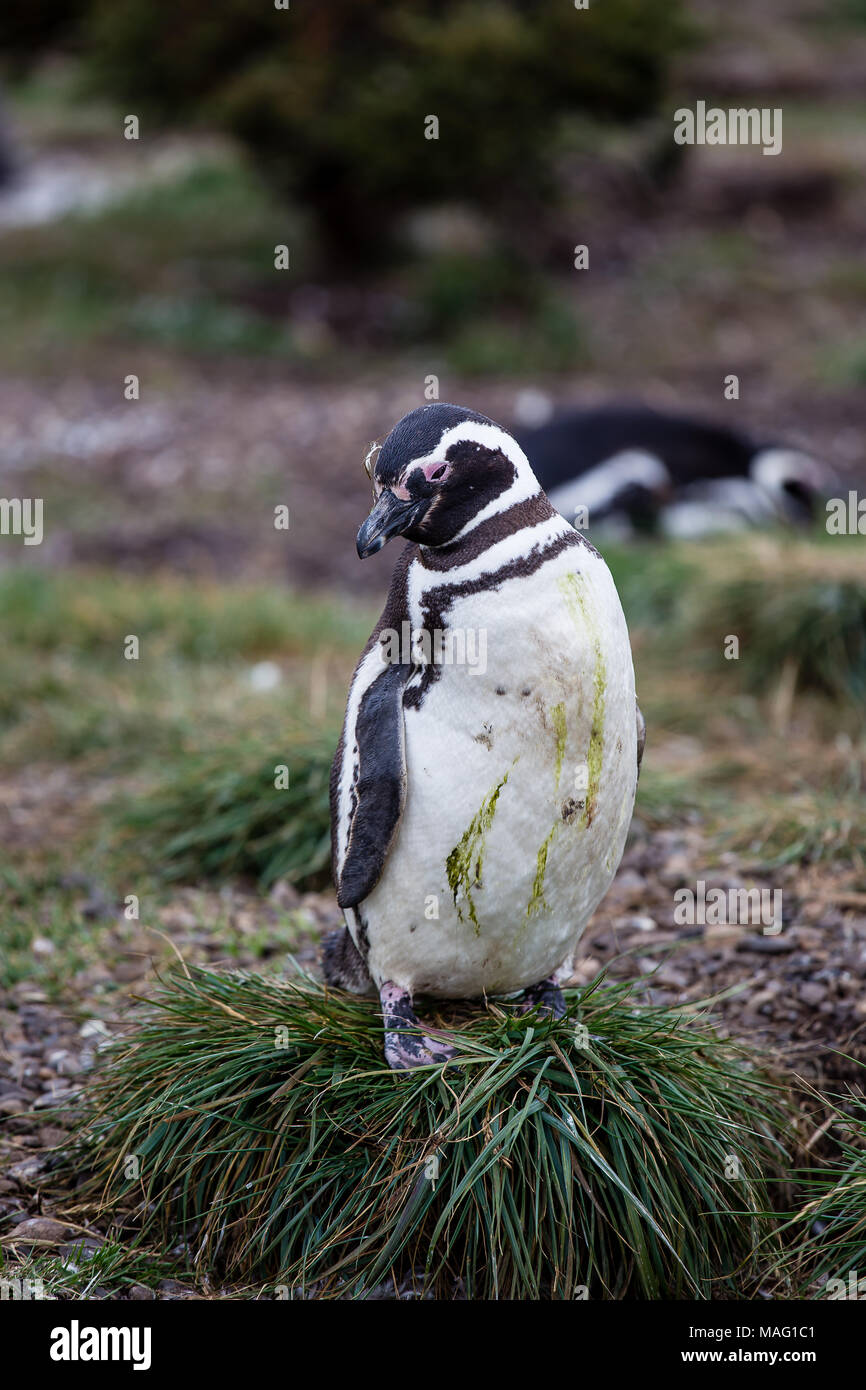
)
(332, 100)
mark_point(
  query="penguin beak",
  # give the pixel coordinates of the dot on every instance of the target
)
(389, 517)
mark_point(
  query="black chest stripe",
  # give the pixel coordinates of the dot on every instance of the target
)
(530, 512)
(436, 602)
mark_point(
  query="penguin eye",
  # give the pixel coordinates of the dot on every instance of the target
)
(437, 472)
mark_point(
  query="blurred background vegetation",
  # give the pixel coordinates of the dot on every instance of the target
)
(262, 127)
(323, 101)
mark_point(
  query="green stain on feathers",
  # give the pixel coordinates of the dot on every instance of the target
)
(537, 899)
(558, 716)
(464, 863)
(584, 619)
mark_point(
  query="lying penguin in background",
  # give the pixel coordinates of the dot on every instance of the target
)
(636, 470)
(478, 810)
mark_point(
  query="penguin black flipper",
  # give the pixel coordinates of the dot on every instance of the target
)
(641, 736)
(368, 776)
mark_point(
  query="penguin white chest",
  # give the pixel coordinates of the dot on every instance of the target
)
(521, 767)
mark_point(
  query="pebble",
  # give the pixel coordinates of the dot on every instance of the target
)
(629, 882)
(64, 1062)
(173, 1286)
(643, 924)
(27, 1172)
(94, 1028)
(767, 945)
(56, 1097)
(669, 975)
(20, 1125)
(82, 1248)
(677, 870)
(38, 1229)
(812, 994)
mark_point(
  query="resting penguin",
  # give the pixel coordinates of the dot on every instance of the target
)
(479, 804)
(637, 469)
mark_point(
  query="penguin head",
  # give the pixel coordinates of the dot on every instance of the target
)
(794, 482)
(439, 469)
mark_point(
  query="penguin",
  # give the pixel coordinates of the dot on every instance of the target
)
(485, 777)
(640, 470)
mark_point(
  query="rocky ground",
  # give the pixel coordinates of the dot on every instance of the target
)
(47, 1050)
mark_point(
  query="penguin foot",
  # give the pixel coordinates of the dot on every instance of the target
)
(407, 1044)
(546, 997)
(342, 964)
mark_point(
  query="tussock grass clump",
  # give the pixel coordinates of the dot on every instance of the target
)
(804, 825)
(625, 1150)
(216, 816)
(815, 627)
(797, 606)
(826, 1238)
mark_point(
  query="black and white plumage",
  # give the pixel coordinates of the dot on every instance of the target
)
(635, 469)
(479, 809)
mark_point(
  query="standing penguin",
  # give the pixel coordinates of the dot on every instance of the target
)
(485, 778)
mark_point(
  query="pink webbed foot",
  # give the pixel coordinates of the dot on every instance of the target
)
(407, 1044)
(546, 997)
